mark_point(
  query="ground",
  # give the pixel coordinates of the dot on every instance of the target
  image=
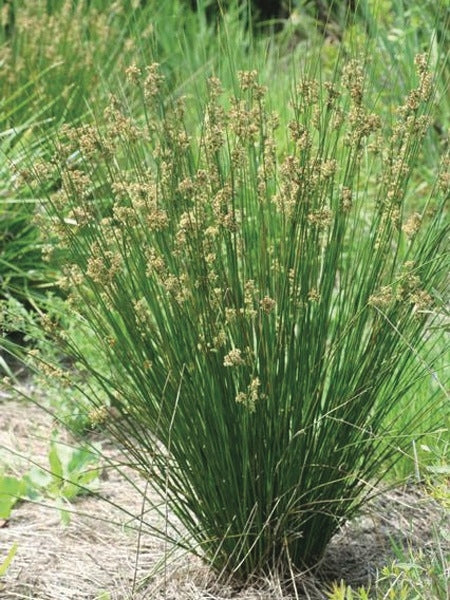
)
(104, 554)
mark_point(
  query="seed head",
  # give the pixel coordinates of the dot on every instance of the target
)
(383, 298)
(133, 73)
(267, 304)
(233, 358)
(412, 225)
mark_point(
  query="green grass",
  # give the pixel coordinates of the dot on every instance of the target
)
(22, 271)
(256, 315)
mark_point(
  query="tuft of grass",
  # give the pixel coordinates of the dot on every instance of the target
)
(260, 314)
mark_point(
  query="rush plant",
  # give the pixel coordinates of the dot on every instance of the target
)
(260, 315)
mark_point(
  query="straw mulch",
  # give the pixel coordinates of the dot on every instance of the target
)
(104, 554)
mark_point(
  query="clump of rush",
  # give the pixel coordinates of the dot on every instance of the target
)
(254, 292)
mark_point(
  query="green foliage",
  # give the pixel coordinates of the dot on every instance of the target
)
(413, 575)
(103, 595)
(11, 490)
(45, 40)
(23, 273)
(437, 474)
(342, 591)
(17, 325)
(5, 564)
(416, 575)
(255, 309)
(67, 475)
(431, 452)
(72, 472)
(38, 57)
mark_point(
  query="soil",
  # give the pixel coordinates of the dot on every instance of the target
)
(105, 554)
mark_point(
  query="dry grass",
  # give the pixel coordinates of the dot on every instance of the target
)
(101, 550)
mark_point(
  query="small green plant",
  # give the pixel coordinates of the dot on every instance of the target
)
(259, 314)
(73, 471)
(439, 484)
(6, 563)
(12, 489)
(341, 591)
(103, 595)
(413, 575)
(416, 575)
